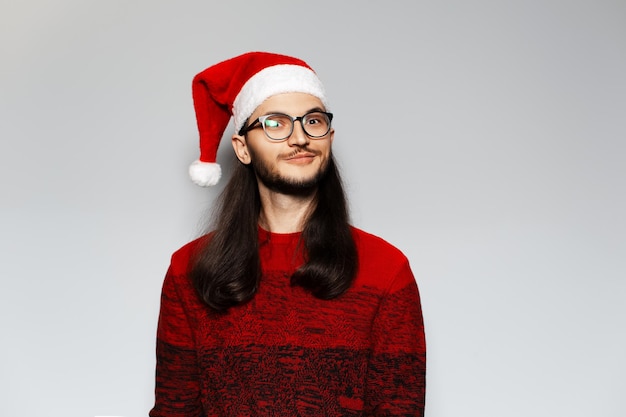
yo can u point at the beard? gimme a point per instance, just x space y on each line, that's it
290 186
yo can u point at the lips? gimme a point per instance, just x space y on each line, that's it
301 155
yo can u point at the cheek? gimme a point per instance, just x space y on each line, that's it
326 149
261 155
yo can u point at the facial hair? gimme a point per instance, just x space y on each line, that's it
280 184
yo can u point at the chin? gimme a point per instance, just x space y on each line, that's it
294 180
300 185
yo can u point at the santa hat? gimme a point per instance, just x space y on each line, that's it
236 87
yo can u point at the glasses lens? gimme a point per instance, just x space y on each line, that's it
277 126
316 124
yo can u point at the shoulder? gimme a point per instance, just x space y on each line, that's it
381 264
183 256
177 285
370 245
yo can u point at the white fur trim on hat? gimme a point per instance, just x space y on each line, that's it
205 174
277 79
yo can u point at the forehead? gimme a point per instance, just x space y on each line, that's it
294 104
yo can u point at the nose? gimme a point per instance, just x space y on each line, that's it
298 135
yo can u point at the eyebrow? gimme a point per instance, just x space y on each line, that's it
282 112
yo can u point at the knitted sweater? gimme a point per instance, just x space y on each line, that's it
287 353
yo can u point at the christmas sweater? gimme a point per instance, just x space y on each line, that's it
287 353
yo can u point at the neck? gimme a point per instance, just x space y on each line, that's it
283 213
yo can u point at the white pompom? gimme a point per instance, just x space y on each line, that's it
205 174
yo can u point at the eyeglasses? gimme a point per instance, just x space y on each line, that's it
279 126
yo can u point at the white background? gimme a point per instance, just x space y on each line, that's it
485 139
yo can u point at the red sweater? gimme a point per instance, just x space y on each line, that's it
287 353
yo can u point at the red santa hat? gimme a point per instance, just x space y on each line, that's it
236 87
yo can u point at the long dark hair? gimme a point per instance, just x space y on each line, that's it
226 269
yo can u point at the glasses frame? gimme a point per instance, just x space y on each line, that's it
260 122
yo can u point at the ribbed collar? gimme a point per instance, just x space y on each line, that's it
278 238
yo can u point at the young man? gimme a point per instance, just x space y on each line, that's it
284 309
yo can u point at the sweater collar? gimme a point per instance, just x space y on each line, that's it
279 238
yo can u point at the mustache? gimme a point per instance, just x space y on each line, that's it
299 150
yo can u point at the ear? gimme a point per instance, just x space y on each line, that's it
241 149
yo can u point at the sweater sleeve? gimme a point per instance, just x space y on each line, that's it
177 390
396 384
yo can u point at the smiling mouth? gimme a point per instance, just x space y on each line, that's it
300 159
300 155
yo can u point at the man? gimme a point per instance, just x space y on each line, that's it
283 309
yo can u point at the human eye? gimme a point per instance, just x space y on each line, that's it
271 123
276 122
315 118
